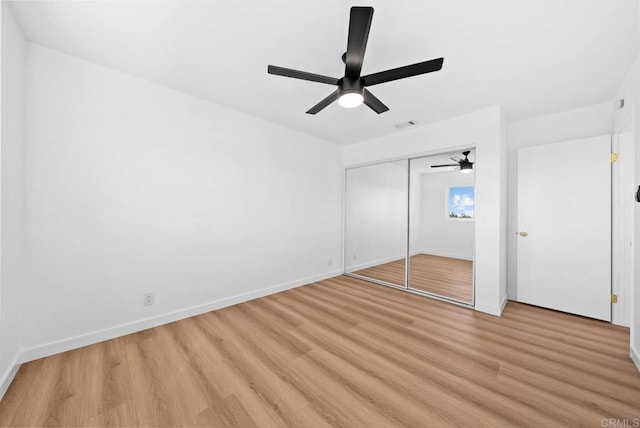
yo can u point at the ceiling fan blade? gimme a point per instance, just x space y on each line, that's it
359 25
440 166
374 103
322 104
402 72
296 74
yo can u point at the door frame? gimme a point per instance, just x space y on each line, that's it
621 312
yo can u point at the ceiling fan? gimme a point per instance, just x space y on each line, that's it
466 166
352 90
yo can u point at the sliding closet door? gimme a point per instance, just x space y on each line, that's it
441 227
376 222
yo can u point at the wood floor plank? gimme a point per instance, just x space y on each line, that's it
341 352
311 379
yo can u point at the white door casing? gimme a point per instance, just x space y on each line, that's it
623 192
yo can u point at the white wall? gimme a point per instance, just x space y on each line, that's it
634 95
440 235
585 122
12 199
133 187
629 90
376 215
503 203
635 320
484 130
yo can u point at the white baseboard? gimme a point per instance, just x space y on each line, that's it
375 263
448 255
492 309
635 356
58 346
8 375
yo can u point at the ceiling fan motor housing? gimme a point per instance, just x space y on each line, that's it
348 85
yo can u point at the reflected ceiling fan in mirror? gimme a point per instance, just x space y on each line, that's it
352 90
466 166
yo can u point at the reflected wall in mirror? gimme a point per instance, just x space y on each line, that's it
376 221
442 212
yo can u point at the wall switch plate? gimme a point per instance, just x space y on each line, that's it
149 299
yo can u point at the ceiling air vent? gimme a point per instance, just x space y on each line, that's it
405 124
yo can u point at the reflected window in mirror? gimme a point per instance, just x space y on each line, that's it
461 203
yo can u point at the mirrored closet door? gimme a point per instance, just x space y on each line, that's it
441 226
410 224
376 198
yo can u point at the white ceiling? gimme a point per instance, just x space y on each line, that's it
533 57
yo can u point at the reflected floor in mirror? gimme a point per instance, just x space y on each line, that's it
444 276
392 272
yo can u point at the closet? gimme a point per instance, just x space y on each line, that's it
409 224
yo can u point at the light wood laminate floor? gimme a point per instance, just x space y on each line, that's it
341 352
444 276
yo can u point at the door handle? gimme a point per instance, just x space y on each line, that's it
523 234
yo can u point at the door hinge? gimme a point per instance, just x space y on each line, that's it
614 157
614 298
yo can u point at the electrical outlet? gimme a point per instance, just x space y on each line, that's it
330 262
149 299
355 257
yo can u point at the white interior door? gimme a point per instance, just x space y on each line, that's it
564 223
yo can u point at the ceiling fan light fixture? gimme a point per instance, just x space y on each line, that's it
466 168
352 87
350 99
